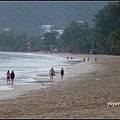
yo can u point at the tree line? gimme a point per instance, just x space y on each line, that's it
77 37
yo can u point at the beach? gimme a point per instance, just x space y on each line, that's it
91 94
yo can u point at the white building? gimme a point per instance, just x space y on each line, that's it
60 32
80 22
47 28
6 29
50 28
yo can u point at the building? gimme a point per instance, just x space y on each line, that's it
47 28
60 32
6 29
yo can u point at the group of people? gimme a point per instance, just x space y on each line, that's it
89 59
52 73
10 77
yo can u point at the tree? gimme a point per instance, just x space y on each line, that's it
49 40
76 38
114 42
105 22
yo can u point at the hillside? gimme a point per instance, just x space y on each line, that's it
29 16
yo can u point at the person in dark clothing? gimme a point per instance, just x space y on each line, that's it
12 76
84 59
95 58
62 73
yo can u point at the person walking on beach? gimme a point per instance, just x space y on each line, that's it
95 58
84 59
88 58
52 73
8 76
12 76
62 73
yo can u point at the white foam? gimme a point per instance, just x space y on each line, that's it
6 88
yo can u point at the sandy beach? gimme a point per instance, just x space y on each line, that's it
91 94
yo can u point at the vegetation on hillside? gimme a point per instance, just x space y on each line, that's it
29 16
77 37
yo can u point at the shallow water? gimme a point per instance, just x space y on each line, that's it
28 66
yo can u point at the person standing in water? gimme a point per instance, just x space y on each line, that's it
12 76
8 76
62 73
52 73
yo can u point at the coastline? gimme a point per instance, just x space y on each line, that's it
85 95
15 90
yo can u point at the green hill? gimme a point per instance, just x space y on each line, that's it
29 16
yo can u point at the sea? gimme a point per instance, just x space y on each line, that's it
27 66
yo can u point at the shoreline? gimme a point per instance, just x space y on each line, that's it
85 95
15 90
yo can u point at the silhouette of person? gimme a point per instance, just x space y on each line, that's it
12 76
84 59
62 73
88 58
52 73
8 76
95 58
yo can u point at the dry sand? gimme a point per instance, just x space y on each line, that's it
94 94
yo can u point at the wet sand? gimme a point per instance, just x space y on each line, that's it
15 90
93 94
